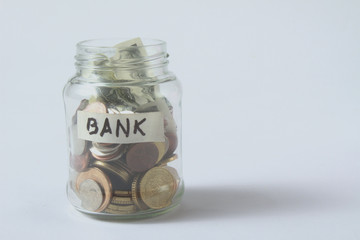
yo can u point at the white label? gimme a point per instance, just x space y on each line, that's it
121 128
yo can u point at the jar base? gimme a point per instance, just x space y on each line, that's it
139 215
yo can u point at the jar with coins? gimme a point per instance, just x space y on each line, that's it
123 119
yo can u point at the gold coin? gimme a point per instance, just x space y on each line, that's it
121 207
172 158
169 159
122 200
114 168
102 179
162 148
122 193
135 195
175 175
157 188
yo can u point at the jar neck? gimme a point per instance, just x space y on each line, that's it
136 59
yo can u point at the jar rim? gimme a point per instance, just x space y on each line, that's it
90 43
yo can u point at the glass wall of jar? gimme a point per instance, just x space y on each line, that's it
123 118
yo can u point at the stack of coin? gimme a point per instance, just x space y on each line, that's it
135 193
121 203
106 151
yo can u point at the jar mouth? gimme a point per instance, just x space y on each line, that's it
109 43
136 58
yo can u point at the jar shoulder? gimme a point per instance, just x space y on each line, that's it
99 80
89 86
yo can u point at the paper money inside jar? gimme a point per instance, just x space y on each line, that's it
123 118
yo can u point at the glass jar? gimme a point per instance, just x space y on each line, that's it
123 118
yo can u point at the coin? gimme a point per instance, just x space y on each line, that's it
175 175
162 147
169 159
100 177
106 153
122 165
102 156
96 107
80 162
122 200
91 195
157 188
142 156
105 147
135 195
122 193
116 169
172 158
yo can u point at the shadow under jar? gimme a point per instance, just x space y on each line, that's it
123 119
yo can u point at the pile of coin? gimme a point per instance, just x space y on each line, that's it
123 179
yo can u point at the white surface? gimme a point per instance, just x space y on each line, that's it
270 122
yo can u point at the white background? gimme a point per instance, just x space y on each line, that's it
270 116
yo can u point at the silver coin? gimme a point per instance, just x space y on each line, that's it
106 147
91 195
103 152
